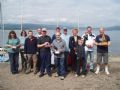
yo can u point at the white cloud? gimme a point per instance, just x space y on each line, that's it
92 12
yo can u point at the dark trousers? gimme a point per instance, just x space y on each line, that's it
66 60
73 60
38 61
14 59
23 60
81 63
45 58
59 63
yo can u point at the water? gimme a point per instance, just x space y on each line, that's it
114 48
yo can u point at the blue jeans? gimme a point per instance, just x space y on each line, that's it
14 59
59 62
91 54
45 58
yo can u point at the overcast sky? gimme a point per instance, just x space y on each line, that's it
90 12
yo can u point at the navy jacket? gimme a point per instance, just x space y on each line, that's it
30 46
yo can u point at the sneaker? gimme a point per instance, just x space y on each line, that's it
106 70
97 70
35 72
50 75
56 75
27 72
41 75
76 75
62 78
92 70
83 76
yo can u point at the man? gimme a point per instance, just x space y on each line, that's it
44 43
39 32
73 41
65 36
38 35
57 30
58 47
30 48
102 42
89 41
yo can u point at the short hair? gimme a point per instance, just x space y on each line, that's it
12 32
75 29
89 27
58 28
30 31
22 32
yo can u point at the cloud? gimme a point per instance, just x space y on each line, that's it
92 12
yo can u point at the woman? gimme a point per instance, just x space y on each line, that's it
13 45
23 58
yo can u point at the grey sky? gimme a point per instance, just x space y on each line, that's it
90 12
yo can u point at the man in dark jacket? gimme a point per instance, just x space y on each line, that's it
72 45
30 48
44 44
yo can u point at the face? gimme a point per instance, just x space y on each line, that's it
12 35
80 42
65 31
44 33
39 31
75 32
101 30
58 36
89 30
30 34
23 33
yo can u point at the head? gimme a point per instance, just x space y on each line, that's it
89 29
58 35
30 33
12 34
101 30
58 29
74 32
80 41
23 33
39 30
65 31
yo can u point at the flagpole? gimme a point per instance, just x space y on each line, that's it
2 22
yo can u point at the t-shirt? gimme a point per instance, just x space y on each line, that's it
102 49
42 40
89 40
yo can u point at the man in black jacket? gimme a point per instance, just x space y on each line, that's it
73 41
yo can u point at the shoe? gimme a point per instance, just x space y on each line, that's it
56 75
92 70
35 72
97 70
76 75
83 76
61 78
41 75
106 70
27 72
50 75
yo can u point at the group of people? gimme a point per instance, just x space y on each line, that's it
67 52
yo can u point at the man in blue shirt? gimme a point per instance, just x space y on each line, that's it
102 42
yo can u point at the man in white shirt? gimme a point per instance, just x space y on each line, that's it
89 41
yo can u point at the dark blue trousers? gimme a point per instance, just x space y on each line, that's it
45 58
14 59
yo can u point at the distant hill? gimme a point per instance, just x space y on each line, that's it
51 26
